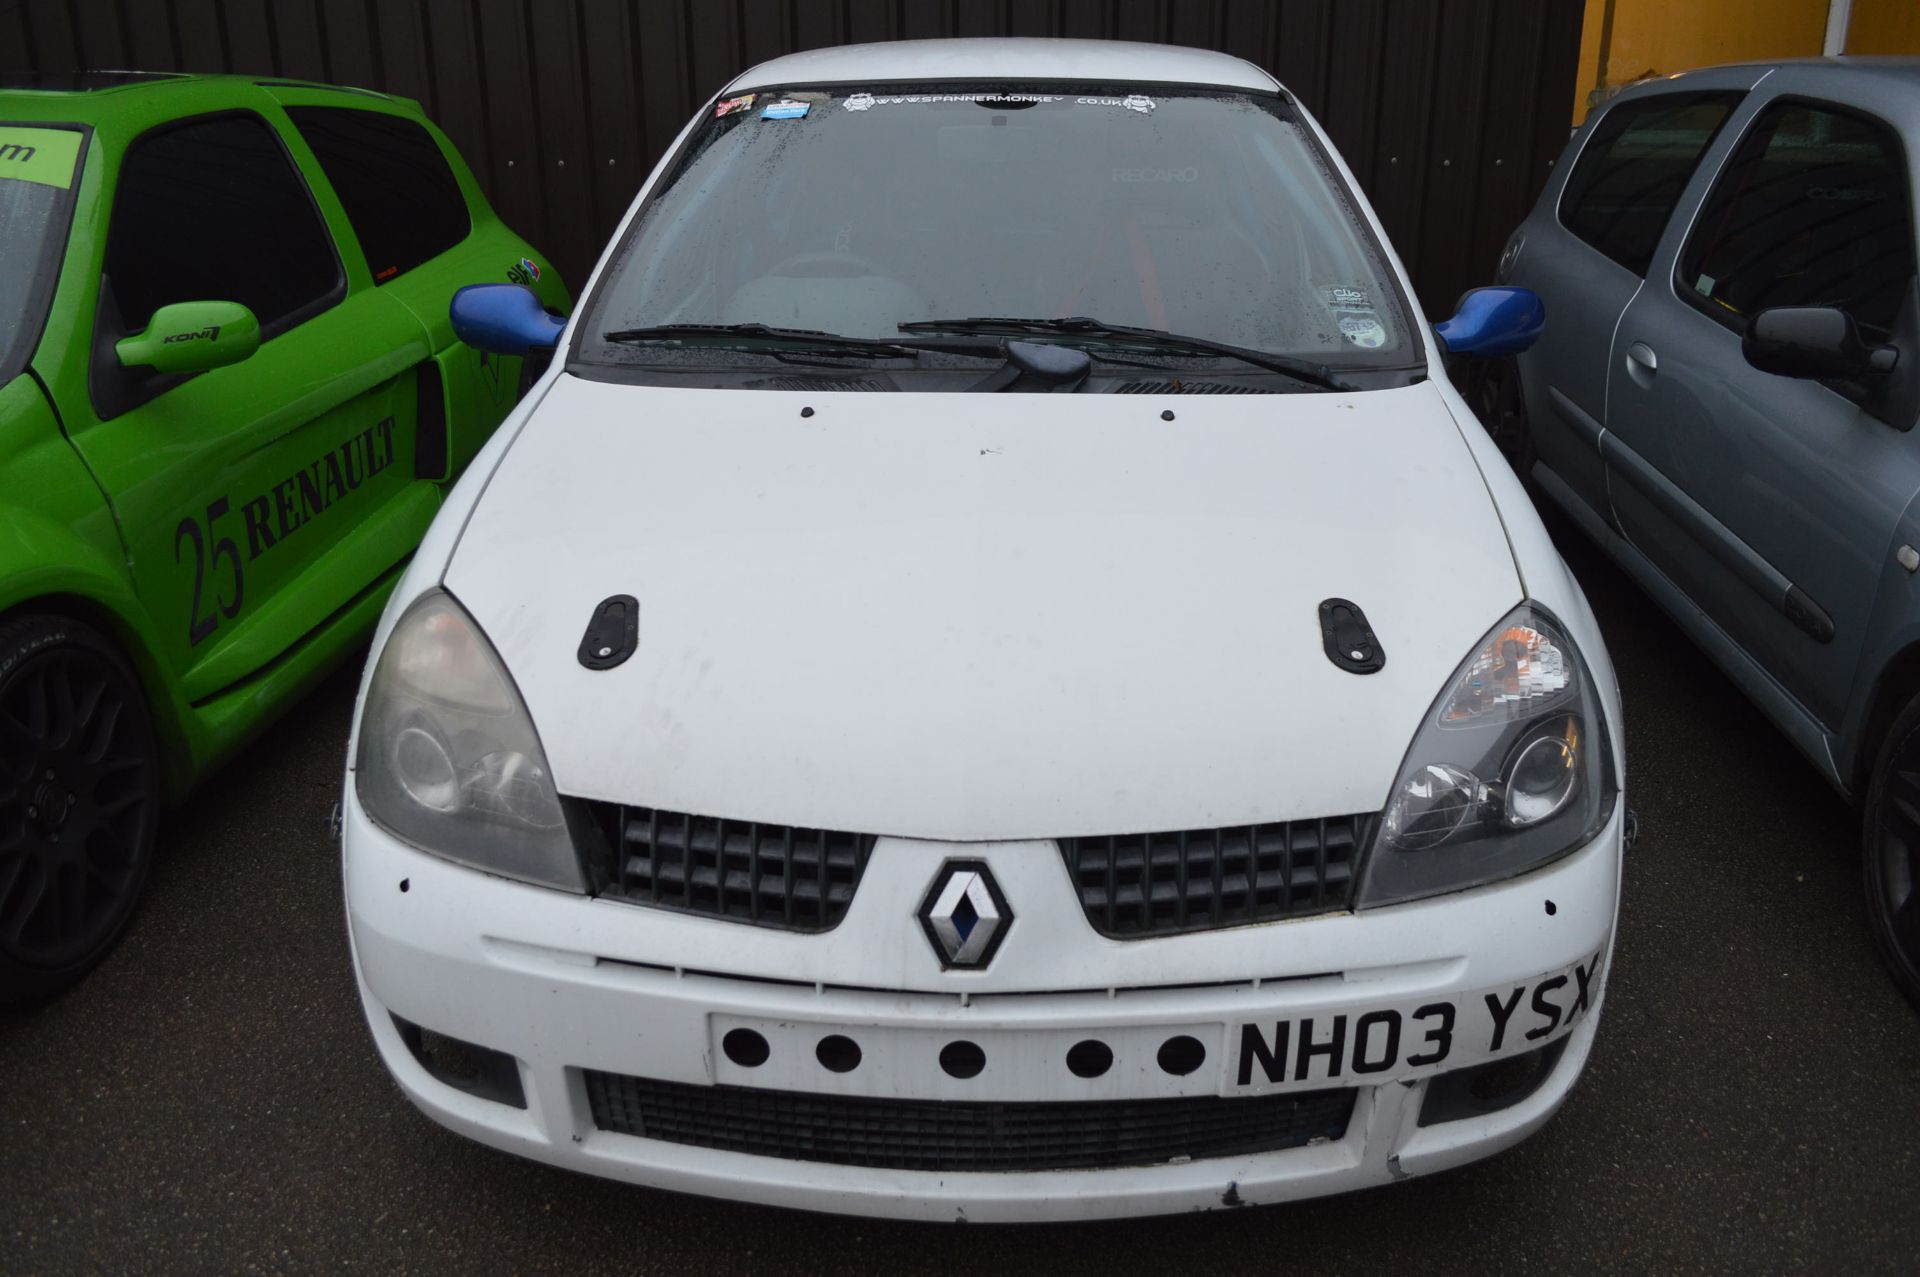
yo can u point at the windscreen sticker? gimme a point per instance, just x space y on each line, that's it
1188 174
1363 331
866 101
1139 103
733 106
1354 315
43 156
785 109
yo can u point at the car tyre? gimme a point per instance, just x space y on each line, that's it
1890 851
1492 390
79 801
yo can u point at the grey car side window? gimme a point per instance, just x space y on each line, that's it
1633 168
1811 211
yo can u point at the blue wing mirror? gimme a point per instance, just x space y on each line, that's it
1493 321
503 319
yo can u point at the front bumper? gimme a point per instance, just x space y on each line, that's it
569 987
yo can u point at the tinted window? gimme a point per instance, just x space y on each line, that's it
401 197
1812 211
215 211
1634 166
1207 214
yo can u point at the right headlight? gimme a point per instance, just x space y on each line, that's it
448 757
1510 769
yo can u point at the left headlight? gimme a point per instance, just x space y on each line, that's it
1510 769
448 757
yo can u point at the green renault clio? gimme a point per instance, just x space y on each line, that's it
231 400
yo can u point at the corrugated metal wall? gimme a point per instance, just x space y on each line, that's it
1449 111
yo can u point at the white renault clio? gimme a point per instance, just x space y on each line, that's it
994 678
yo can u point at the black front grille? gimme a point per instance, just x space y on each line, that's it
943 1135
774 875
1135 885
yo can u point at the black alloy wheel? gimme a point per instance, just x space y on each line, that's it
79 802
1890 848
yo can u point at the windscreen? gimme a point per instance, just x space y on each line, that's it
852 211
37 168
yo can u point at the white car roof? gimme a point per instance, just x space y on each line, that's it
1115 62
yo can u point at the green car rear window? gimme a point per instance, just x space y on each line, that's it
393 181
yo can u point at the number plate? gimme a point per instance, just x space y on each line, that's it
1364 1046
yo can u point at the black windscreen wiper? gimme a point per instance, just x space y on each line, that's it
1081 326
768 337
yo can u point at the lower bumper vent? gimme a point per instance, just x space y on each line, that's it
941 1135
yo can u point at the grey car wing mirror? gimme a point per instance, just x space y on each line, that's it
1818 342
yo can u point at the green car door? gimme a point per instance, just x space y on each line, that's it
259 497
408 196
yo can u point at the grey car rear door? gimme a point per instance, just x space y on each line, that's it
1770 502
1585 249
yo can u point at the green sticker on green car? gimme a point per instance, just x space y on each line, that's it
38 155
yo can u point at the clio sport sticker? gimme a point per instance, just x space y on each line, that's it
1399 1041
1354 315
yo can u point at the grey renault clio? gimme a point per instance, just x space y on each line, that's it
1725 401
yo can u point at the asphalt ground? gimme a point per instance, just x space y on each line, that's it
209 1101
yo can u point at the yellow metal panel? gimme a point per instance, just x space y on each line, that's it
1594 32
1661 37
1884 26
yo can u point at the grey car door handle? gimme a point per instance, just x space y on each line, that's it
1642 354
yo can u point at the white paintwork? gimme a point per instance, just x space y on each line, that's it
564 983
998 622
1115 62
978 617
